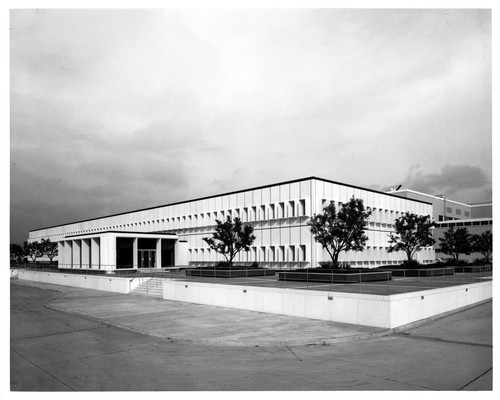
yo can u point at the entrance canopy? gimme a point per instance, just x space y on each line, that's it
111 250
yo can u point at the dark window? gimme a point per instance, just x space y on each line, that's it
124 252
146 244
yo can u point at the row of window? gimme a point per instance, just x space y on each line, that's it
289 253
289 209
458 211
465 223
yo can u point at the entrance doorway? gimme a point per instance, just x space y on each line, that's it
146 253
146 258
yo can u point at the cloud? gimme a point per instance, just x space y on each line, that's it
113 110
458 182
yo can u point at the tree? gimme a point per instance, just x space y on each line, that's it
49 248
483 243
230 238
33 250
16 253
343 230
455 242
412 233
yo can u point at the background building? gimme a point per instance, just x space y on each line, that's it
473 226
476 217
172 234
445 209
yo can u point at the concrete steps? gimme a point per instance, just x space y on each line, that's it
150 287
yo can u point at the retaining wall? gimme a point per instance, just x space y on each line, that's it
360 309
109 284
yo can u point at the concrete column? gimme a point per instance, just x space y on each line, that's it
85 253
68 254
181 253
95 253
134 250
60 254
158 253
108 251
77 248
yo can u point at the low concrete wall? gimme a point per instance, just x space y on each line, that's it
415 306
109 284
359 309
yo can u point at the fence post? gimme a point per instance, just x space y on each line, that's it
387 282
404 279
359 277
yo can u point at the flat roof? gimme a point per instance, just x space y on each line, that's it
481 204
121 232
230 193
431 195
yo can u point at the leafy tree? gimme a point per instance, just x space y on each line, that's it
341 231
455 242
16 253
49 248
483 243
230 238
412 233
33 250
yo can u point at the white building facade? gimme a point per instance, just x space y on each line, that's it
173 234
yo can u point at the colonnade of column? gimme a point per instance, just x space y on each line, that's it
80 253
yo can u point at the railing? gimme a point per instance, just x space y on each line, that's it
375 281
369 281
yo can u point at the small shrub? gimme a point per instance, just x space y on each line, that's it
410 264
222 264
255 265
331 265
453 263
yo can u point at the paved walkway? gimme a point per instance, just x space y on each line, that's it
200 323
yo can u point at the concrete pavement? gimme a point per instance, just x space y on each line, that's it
205 324
177 346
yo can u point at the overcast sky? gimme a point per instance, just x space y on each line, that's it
117 110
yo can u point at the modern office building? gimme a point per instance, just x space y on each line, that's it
172 234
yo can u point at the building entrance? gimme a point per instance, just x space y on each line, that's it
146 258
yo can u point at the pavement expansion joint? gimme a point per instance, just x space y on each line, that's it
43 370
59 333
435 339
475 379
291 351
385 378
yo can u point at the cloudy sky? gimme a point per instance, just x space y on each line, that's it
117 110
